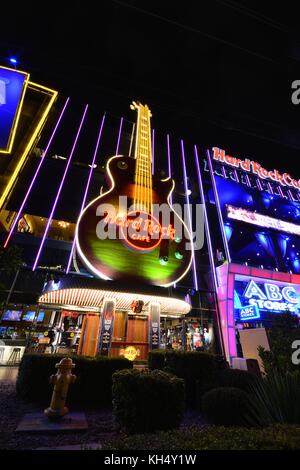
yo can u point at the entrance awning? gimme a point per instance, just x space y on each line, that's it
88 293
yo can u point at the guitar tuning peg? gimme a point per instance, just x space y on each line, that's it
134 105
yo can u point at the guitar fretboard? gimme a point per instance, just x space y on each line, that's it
143 156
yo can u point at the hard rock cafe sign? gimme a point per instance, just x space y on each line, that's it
255 168
131 353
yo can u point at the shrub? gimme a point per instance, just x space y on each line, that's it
198 369
213 438
285 329
145 401
156 359
226 406
237 378
276 398
92 387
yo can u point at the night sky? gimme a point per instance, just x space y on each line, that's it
215 73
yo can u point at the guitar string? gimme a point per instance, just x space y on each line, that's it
142 160
150 166
147 162
136 163
143 182
145 158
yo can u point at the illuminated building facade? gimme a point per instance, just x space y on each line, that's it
247 270
63 171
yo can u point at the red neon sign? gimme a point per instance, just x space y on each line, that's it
284 179
140 230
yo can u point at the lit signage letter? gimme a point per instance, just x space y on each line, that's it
219 154
230 160
287 179
254 291
255 168
287 291
264 173
273 292
245 165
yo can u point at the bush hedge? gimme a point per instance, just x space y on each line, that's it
92 387
277 437
156 359
198 369
145 401
237 378
227 406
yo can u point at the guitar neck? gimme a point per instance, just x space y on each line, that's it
143 156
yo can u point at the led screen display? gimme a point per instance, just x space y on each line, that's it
12 315
12 86
262 229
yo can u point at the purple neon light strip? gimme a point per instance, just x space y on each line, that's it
169 156
270 188
209 243
35 175
291 195
259 184
60 188
153 145
169 163
280 191
218 206
248 181
87 186
187 198
119 136
170 174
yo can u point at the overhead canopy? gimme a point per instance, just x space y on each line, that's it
88 293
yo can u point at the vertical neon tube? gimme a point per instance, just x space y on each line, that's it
209 242
169 156
236 176
153 146
281 192
270 188
170 174
169 162
131 139
218 206
87 186
119 136
35 175
60 188
259 184
187 198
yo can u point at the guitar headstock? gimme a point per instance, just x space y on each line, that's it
139 106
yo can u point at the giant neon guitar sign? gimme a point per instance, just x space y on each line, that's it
120 234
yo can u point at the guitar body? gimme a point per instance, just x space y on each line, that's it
163 264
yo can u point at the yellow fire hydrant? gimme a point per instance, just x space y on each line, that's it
61 381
